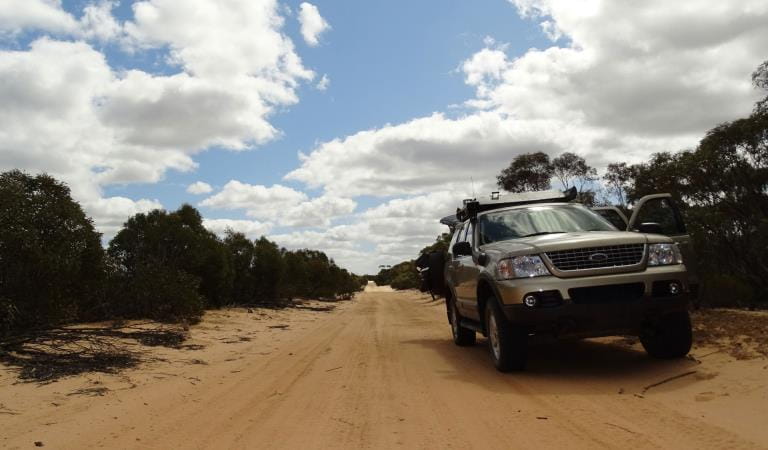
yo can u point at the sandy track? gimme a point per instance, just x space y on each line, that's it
383 373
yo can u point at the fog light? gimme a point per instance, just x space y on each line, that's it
530 300
674 288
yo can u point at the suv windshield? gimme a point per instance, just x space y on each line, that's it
537 220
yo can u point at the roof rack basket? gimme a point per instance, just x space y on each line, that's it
472 207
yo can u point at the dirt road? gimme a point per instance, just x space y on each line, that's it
383 373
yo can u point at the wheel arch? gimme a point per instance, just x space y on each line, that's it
486 291
449 296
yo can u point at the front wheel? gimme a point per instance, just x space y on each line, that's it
507 344
669 337
463 337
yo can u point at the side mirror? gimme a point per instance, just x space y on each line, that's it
650 227
462 249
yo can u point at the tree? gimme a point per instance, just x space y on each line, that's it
241 256
527 172
51 260
760 81
663 173
440 245
617 178
267 270
571 170
179 247
400 276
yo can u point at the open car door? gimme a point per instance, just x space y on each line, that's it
660 209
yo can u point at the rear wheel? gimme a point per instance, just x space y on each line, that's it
669 337
463 337
507 344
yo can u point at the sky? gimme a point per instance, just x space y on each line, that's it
353 126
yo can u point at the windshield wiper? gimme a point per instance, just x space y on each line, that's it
542 233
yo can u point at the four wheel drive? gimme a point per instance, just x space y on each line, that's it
537 263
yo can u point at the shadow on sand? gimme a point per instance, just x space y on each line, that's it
49 355
560 367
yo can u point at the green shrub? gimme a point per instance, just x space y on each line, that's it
51 260
726 291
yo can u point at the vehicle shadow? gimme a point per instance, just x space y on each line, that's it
563 367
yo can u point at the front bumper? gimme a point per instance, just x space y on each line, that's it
581 317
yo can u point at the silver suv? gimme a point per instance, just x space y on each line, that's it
539 264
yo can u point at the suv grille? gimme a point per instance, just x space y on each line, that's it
597 257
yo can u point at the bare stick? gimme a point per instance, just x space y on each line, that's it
667 380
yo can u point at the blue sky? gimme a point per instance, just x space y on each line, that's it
137 104
387 62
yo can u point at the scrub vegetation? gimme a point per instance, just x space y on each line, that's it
162 265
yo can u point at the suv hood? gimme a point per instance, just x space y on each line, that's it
566 241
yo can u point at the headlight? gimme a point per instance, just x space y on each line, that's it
521 267
664 254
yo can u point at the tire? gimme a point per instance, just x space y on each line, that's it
507 344
669 337
463 337
436 273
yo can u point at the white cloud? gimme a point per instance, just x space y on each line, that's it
312 23
323 83
317 212
283 205
199 187
253 229
46 15
386 234
485 66
97 22
426 154
258 200
632 80
65 111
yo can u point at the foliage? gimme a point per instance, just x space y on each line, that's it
159 247
399 276
726 291
440 245
572 170
51 260
617 178
160 265
313 274
404 275
527 172
760 81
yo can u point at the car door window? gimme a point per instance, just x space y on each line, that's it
613 216
663 212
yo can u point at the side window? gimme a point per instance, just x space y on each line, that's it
661 211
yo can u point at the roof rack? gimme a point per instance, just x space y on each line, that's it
471 207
